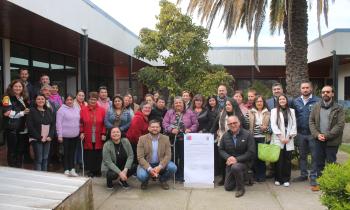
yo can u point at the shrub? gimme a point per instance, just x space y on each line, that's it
347 115
335 186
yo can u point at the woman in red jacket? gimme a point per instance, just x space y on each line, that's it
93 133
138 126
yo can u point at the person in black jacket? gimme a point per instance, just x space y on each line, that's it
198 107
15 108
41 127
237 148
158 111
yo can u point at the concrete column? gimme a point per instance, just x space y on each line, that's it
6 45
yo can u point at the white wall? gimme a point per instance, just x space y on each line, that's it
344 71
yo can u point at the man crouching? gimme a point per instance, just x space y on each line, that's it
237 147
153 155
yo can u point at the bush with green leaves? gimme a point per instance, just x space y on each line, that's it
335 186
347 115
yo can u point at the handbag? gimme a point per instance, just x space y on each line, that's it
268 152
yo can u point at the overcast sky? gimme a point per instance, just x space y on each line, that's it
136 14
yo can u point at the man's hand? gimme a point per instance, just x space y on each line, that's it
153 172
231 160
157 169
321 137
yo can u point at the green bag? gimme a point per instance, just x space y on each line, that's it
268 152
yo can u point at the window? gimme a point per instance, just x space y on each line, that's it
56 61
347 88
40 59
19 59
100 75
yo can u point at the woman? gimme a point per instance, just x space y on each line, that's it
159 110
15 109
259 121
239 97
117 159
220 127
213 111
139 126
41 128
283 125
68 127
149 99
79 100
92 132
198 107
187 97
177 122
118 116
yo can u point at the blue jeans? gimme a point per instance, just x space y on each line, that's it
41 153
164 175
324 154
306 146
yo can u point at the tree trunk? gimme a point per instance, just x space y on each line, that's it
296 50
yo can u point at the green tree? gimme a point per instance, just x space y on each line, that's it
287 14
182 47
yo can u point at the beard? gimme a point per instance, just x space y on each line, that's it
307 94
326 98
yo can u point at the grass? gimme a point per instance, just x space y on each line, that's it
345 148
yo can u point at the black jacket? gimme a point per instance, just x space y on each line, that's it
37 118
203 120
244 151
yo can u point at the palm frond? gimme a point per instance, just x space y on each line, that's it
276 15
258 23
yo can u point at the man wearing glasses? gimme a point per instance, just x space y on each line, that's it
326 122
237 147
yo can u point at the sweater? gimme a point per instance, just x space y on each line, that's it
138 127
68 121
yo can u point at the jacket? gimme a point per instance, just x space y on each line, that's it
68 121
189 120
271 103
288 132
203 121
16 107
302 113
144 151
336 124
265 120
125 119
86 124
37 118
109 158
243 151
138 127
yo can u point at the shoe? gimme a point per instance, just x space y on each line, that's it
124 184
164 185
221 182
277 183
240 193
110 187
300 179
315 188
260 179
144 185
313 182
66 172
286 184
73 173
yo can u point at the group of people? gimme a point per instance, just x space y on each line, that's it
120 138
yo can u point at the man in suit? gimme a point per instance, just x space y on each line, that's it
153 155
237 147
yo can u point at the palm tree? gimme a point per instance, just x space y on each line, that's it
291 15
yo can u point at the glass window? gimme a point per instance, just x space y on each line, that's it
19 58
347 88
71 64
100 75
40 59
56 61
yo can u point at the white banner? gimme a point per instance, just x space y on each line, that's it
199 160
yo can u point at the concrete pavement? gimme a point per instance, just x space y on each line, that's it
259 196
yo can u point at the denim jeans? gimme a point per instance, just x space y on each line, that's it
307 145
41 153
164 175
324 154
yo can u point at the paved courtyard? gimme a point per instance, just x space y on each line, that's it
259 196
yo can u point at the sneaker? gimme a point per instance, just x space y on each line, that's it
73 173
124 184
110 187
164 185
286 184
66 172
277 183
144 185
300 179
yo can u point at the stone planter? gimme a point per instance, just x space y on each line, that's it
346 133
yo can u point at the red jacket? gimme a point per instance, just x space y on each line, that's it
138 127
87 115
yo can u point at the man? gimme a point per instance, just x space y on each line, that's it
237 147
44 80
326 122
153 155
103 100
187 97
23 76
251 98
222 97
277 90
306 143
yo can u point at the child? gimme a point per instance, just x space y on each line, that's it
55 96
